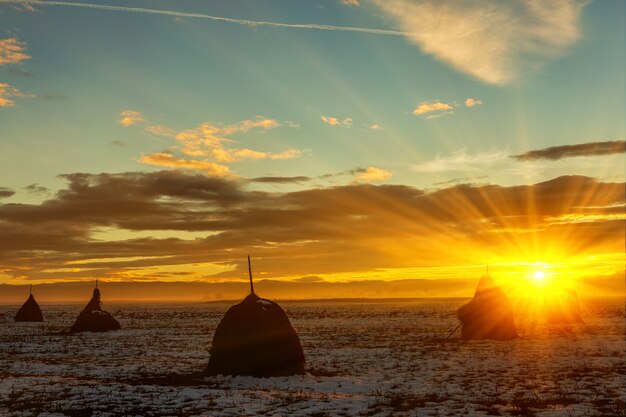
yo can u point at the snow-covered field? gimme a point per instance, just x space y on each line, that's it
363 359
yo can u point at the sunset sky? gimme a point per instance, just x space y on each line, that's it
335 141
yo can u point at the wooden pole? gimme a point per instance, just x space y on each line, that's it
250 275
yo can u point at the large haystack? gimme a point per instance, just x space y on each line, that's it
255 338
93 318
488 315
30 310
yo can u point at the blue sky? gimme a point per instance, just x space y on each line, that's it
468 85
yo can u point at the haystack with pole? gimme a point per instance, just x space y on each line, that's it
488 315
30 310
255 338
93 318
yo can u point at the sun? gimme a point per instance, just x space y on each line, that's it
540 280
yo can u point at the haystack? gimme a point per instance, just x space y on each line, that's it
93 318
563 308
255 338
30 310
488 315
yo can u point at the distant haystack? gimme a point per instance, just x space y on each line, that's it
30 310
255 338
93 318
489 315
564 308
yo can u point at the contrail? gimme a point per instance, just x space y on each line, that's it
310 26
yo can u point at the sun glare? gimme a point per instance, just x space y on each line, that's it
539 275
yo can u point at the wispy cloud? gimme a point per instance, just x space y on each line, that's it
12 51
461 161
170 161
570 151
245 22
492 41
8 94
350 2
376 126
208 147
333 121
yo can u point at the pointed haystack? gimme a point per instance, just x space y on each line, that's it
93 318
255 338
489 315
30 311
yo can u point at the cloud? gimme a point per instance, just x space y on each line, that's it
37 189
375 126
471 102
333 121
427 107
8 94
345 229
570 151
204 148
170 161
494 42
129 118
350 2
12 51
281 180
244 22
460 161
6 192
372 174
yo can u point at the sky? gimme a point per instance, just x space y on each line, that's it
339 142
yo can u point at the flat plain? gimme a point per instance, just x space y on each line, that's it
364 358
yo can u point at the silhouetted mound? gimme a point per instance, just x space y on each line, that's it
30 311
489 315
256 338
564 308
93 318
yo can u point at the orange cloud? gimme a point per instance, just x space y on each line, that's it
373 174
432 106
12 51
170 161
8 93
204 148
129 118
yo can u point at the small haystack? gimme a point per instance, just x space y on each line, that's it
93 318
30 310
489 315
255 338
563 308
